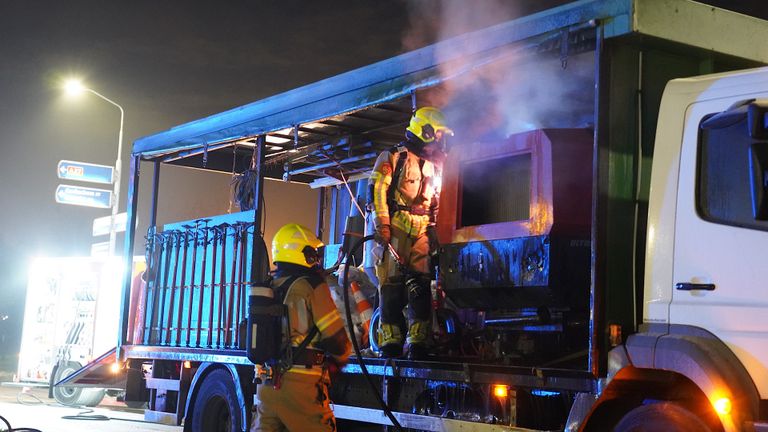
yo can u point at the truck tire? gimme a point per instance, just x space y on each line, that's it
664 416
75 396
216 407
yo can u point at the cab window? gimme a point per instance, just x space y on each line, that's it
732 167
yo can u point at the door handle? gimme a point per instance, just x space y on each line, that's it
690 286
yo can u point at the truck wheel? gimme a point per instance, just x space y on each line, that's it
74 396
664 416
216 408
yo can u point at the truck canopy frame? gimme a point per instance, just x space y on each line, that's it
339 124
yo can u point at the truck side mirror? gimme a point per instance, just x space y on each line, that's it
758 176
733 115
757 119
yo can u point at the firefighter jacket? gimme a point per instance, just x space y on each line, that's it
310 304
411 205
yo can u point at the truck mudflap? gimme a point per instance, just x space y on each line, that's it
100 373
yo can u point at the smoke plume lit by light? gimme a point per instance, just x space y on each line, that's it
513 92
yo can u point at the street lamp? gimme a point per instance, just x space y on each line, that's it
74 87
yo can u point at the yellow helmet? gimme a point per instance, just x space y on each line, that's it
296 244
426 122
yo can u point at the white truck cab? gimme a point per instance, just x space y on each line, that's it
706 294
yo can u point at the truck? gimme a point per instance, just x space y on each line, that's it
602 230
68 321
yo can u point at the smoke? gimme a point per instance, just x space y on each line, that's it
515 92
434 20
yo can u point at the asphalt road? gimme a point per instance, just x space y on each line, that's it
31 408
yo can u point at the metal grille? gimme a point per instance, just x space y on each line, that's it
196 287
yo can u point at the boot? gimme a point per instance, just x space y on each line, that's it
390 340
417 339
391 351
417 351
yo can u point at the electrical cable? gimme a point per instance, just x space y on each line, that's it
263 216
35 400
351 195
355 345
231 184
10 428
242 189
7 424
85 415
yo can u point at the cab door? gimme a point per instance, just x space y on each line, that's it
720 270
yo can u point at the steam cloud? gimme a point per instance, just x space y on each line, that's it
507 96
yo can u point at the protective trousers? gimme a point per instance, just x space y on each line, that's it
399 289
289 408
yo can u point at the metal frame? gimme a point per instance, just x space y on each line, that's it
183 354
335 104
130 233
394 79
417 421
599 166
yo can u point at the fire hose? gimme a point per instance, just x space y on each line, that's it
355 345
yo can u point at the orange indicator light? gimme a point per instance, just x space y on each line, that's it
500 391
723 406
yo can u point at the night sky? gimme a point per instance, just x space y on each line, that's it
166 63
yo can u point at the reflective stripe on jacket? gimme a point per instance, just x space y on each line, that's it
309 303
413 188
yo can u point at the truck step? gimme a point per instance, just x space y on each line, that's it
161 417
163 384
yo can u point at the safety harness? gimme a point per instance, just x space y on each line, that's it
300 355
402 156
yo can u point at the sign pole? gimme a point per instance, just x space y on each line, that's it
118 164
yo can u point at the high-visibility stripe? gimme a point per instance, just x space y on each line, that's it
381 183
298 339
302 370
414 225
328 319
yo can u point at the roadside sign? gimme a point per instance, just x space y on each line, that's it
101 224
100 249
83 196
84 171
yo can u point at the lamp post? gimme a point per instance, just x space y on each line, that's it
75 87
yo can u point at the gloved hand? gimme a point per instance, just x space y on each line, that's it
333 365
383 234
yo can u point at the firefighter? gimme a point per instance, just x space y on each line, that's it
297 400
405 201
